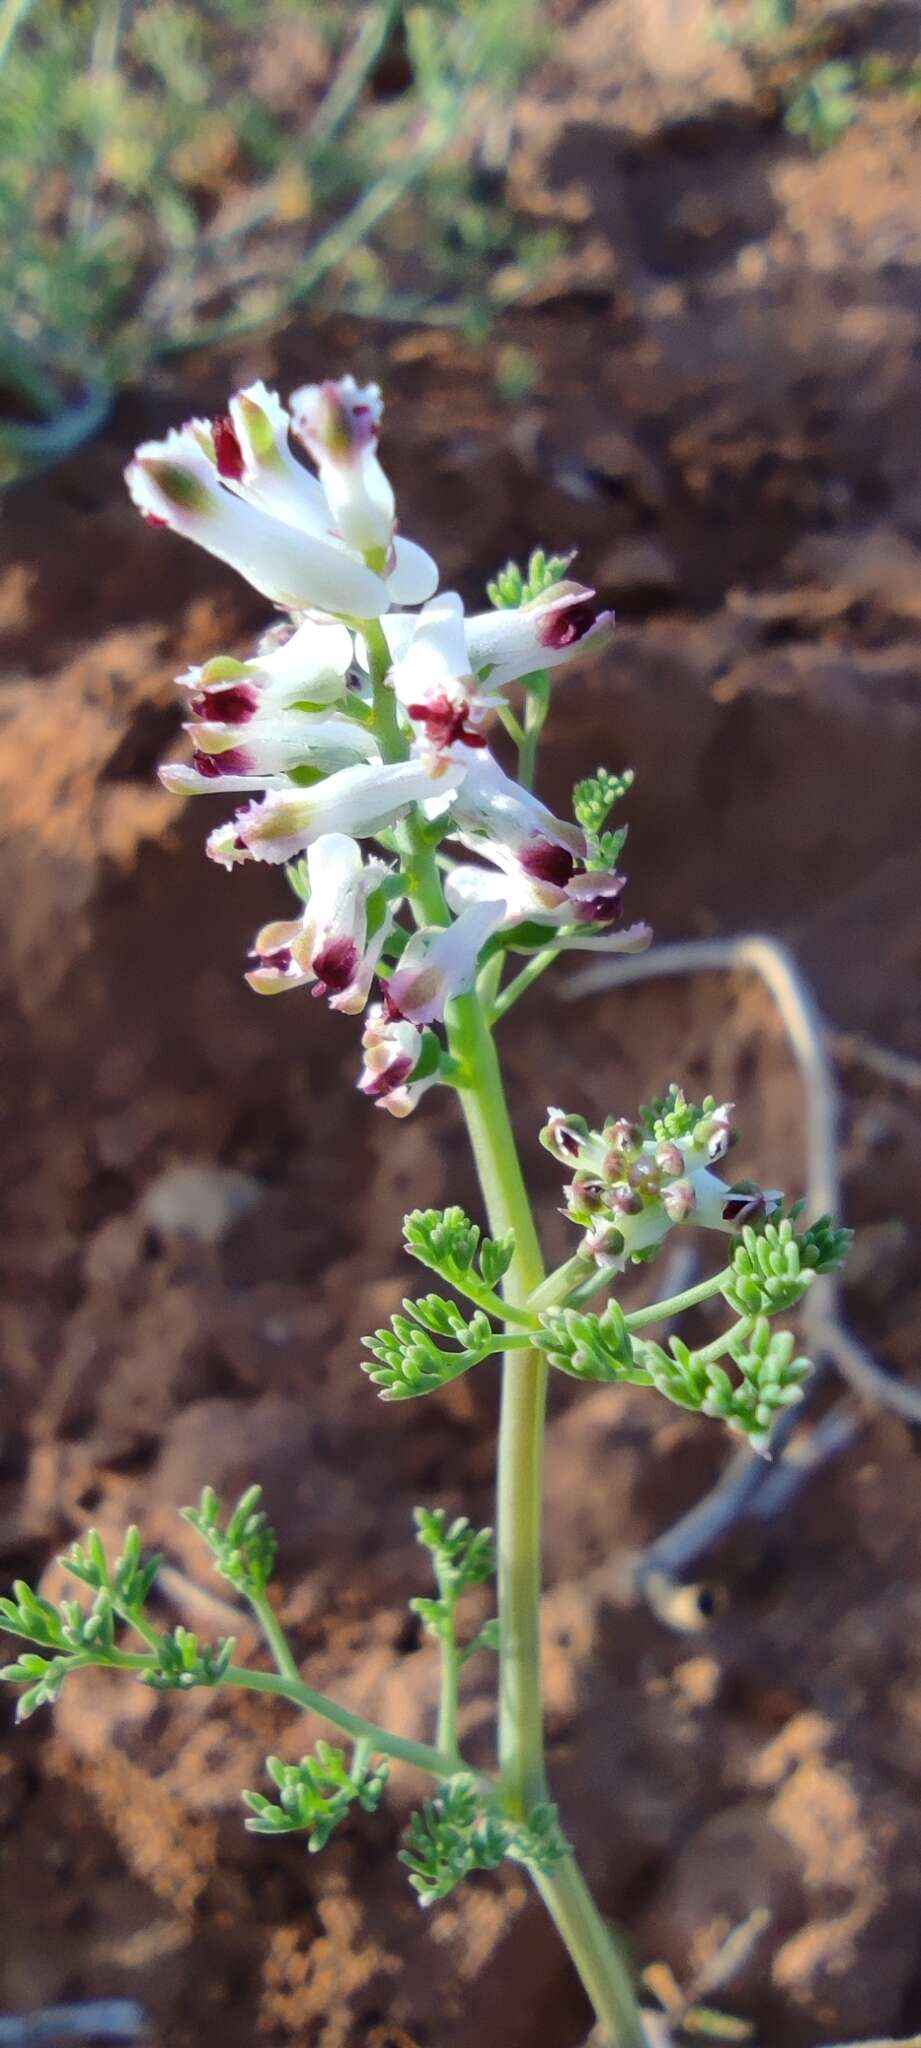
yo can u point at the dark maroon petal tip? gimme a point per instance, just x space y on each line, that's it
392 1077
233 762
567 623
335 966
233 705
444 722
227 450
545 862
281 959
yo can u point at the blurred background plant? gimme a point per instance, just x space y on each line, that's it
156 192
799 62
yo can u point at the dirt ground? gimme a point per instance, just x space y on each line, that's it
201 1215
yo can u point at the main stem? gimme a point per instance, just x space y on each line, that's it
521 1441
519 1494
521 1429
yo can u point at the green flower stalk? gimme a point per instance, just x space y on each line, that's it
431 887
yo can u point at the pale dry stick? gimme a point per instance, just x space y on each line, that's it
97 2019
850 1048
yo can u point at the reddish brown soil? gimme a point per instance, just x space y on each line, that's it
202 1217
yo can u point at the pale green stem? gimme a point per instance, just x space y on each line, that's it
446 1737
675 1304
353 74
421 1754
523 1398
562 1282
710 1352
275 1636
523 981
595 1952
537 705
438 1763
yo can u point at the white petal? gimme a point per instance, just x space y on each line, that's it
174 481
359 801
273 477
434 664
182 780
414 576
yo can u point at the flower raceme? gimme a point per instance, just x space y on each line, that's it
633 1181
302 731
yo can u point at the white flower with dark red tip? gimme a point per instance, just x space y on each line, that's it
431 676
272 747
235 485
310 666
338 423
360 801
525 897
329 946
493 807
176 481
392 1049
563 622
440 962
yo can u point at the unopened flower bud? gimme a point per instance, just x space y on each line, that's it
622 1136
564 1135
624 1201
585 1194
670 1158
715 1133
679 1201
603 1242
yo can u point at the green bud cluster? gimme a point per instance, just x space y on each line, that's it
772 1267
245 1547
458 1832
315 1794
590 1347
512 587
632 1182
181 1664
770 1378
452 1246
409 1361
461 1557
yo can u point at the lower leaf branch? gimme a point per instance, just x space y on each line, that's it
675 1304
423 1755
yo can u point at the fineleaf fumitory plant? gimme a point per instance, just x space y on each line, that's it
431 889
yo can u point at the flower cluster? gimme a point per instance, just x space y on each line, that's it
633 1181
361 717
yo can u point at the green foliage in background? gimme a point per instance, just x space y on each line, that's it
820 92
176 174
